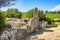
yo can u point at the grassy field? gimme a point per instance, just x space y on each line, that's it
58 23
54 16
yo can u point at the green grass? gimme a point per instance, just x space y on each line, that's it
53 16
58 23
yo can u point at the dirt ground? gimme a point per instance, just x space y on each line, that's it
47 34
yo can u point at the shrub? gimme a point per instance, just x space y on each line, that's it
49 20
2 21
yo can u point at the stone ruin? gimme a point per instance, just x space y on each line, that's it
20 28
20 32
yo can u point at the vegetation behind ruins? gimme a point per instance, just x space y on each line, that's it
2 21
53 16
15 13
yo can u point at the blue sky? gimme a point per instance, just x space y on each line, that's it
25 5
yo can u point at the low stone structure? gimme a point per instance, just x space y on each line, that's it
46 25
20 28
15 23
18 33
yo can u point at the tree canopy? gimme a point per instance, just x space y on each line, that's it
13 13
7 2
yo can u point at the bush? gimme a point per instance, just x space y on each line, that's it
13 13
49 20
2 21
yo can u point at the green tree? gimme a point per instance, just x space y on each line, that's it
13 13
42 16
46 11
4 3
30 13
49 20
58 12
2 21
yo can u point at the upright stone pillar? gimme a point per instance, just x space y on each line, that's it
35 14
34 22
36 18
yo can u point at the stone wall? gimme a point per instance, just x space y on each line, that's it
15 23
19 33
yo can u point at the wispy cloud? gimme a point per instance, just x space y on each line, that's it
56 8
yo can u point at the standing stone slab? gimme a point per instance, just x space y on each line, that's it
34 22
36 18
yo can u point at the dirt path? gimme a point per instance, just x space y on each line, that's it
49 33
46 34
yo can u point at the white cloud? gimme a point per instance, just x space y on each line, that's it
56 8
